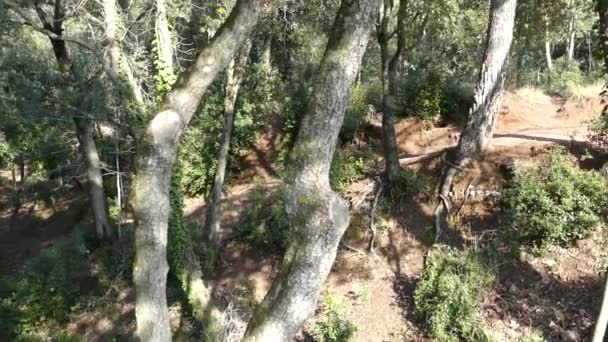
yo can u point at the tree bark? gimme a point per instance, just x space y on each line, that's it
83 129
234 77
119 70
267 52
602 8
318 216
154 163
477 134
93 165
390 83
602 319
163 35
548 46
571 33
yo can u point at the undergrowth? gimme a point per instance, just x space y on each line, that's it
60 283
448 295
334 324
346 168
553 204
264 223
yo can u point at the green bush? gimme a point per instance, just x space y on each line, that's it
552 204
345 169
422 93
334 325
428 95
447 297
264 222
564 73
356 112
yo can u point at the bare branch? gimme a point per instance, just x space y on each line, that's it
27 21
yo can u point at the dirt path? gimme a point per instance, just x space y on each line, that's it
528 117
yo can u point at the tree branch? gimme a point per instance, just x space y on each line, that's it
25 20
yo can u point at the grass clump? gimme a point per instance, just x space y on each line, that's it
447 297
553 204
334 325
264 223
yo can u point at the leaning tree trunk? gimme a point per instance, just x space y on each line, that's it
477 134
118 70
93 166
234 77
602 8
154 163
83 126
318 216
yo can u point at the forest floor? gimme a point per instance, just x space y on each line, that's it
557 294
378 288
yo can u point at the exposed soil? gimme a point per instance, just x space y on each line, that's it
557 294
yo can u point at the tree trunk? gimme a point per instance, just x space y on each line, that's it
22 173
602 8
14 175
234 77
571 35
548 46
163 35
154 163
110 21
390 78
590 63
318 216
477 134
267 52
93 164
602 319
83 129
119 68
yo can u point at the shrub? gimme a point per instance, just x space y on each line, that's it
333 326
264 222
553 204
345 169
421 94
564 74
356 112
447 296
428 95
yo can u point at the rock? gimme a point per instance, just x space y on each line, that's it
571 336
